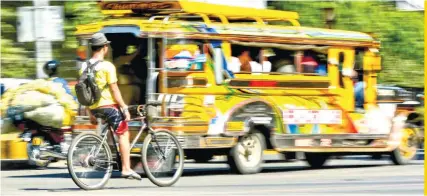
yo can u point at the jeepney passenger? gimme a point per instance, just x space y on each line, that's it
284 66
309 64
266 64
129 84
241 63
359 88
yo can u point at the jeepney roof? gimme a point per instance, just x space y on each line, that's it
175 26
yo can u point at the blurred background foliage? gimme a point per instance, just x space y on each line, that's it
401 35
18 59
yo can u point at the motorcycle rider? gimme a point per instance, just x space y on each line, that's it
51 69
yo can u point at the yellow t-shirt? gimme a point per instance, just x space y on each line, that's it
105 75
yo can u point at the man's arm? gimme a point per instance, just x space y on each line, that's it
118 98
92 118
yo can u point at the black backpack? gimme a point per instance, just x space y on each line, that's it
88 93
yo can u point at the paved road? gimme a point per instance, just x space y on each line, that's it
342 176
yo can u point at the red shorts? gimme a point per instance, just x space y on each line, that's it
114 117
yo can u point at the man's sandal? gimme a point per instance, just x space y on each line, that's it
132 175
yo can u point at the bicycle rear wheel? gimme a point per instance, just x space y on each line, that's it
162 158
89 162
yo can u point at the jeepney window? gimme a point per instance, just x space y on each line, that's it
283 61
249 59
358 65
184 55
314 63
340 68
308 61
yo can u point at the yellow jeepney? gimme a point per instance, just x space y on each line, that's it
237 81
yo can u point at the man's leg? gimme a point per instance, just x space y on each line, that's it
124 145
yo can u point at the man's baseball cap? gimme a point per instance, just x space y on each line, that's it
98 39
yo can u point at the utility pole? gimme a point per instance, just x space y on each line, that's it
41 24
329 17
43 45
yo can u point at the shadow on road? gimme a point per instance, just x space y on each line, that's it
209 171
116 174
78 189
282 169
24 166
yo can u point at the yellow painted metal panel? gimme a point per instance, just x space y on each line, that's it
17 149
4 149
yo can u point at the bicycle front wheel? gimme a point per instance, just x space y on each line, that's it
162 158
89 161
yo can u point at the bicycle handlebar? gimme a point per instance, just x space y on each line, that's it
154 104
141 108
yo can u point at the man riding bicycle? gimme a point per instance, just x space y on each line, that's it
110 106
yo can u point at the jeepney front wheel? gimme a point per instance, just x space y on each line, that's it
407 149
246 157
316 160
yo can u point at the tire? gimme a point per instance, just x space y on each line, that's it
86 161
150 146
316 160
407 150
251 144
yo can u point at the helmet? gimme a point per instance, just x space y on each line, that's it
50 67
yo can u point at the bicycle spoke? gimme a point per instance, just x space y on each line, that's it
159 158
91 164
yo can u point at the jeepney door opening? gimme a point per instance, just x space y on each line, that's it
180 60
353 75
129 54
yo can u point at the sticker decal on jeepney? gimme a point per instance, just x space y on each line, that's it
216 124
209 100
301 116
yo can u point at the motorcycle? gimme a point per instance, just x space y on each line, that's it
44 144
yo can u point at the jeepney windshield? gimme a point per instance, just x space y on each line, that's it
184 55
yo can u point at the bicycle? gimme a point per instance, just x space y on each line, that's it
98 157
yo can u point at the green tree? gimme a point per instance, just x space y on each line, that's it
17 59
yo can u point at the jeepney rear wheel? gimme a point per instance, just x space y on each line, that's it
316 160
407 150
246 157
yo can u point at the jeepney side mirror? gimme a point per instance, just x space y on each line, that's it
218 67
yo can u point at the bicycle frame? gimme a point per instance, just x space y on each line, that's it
104 136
